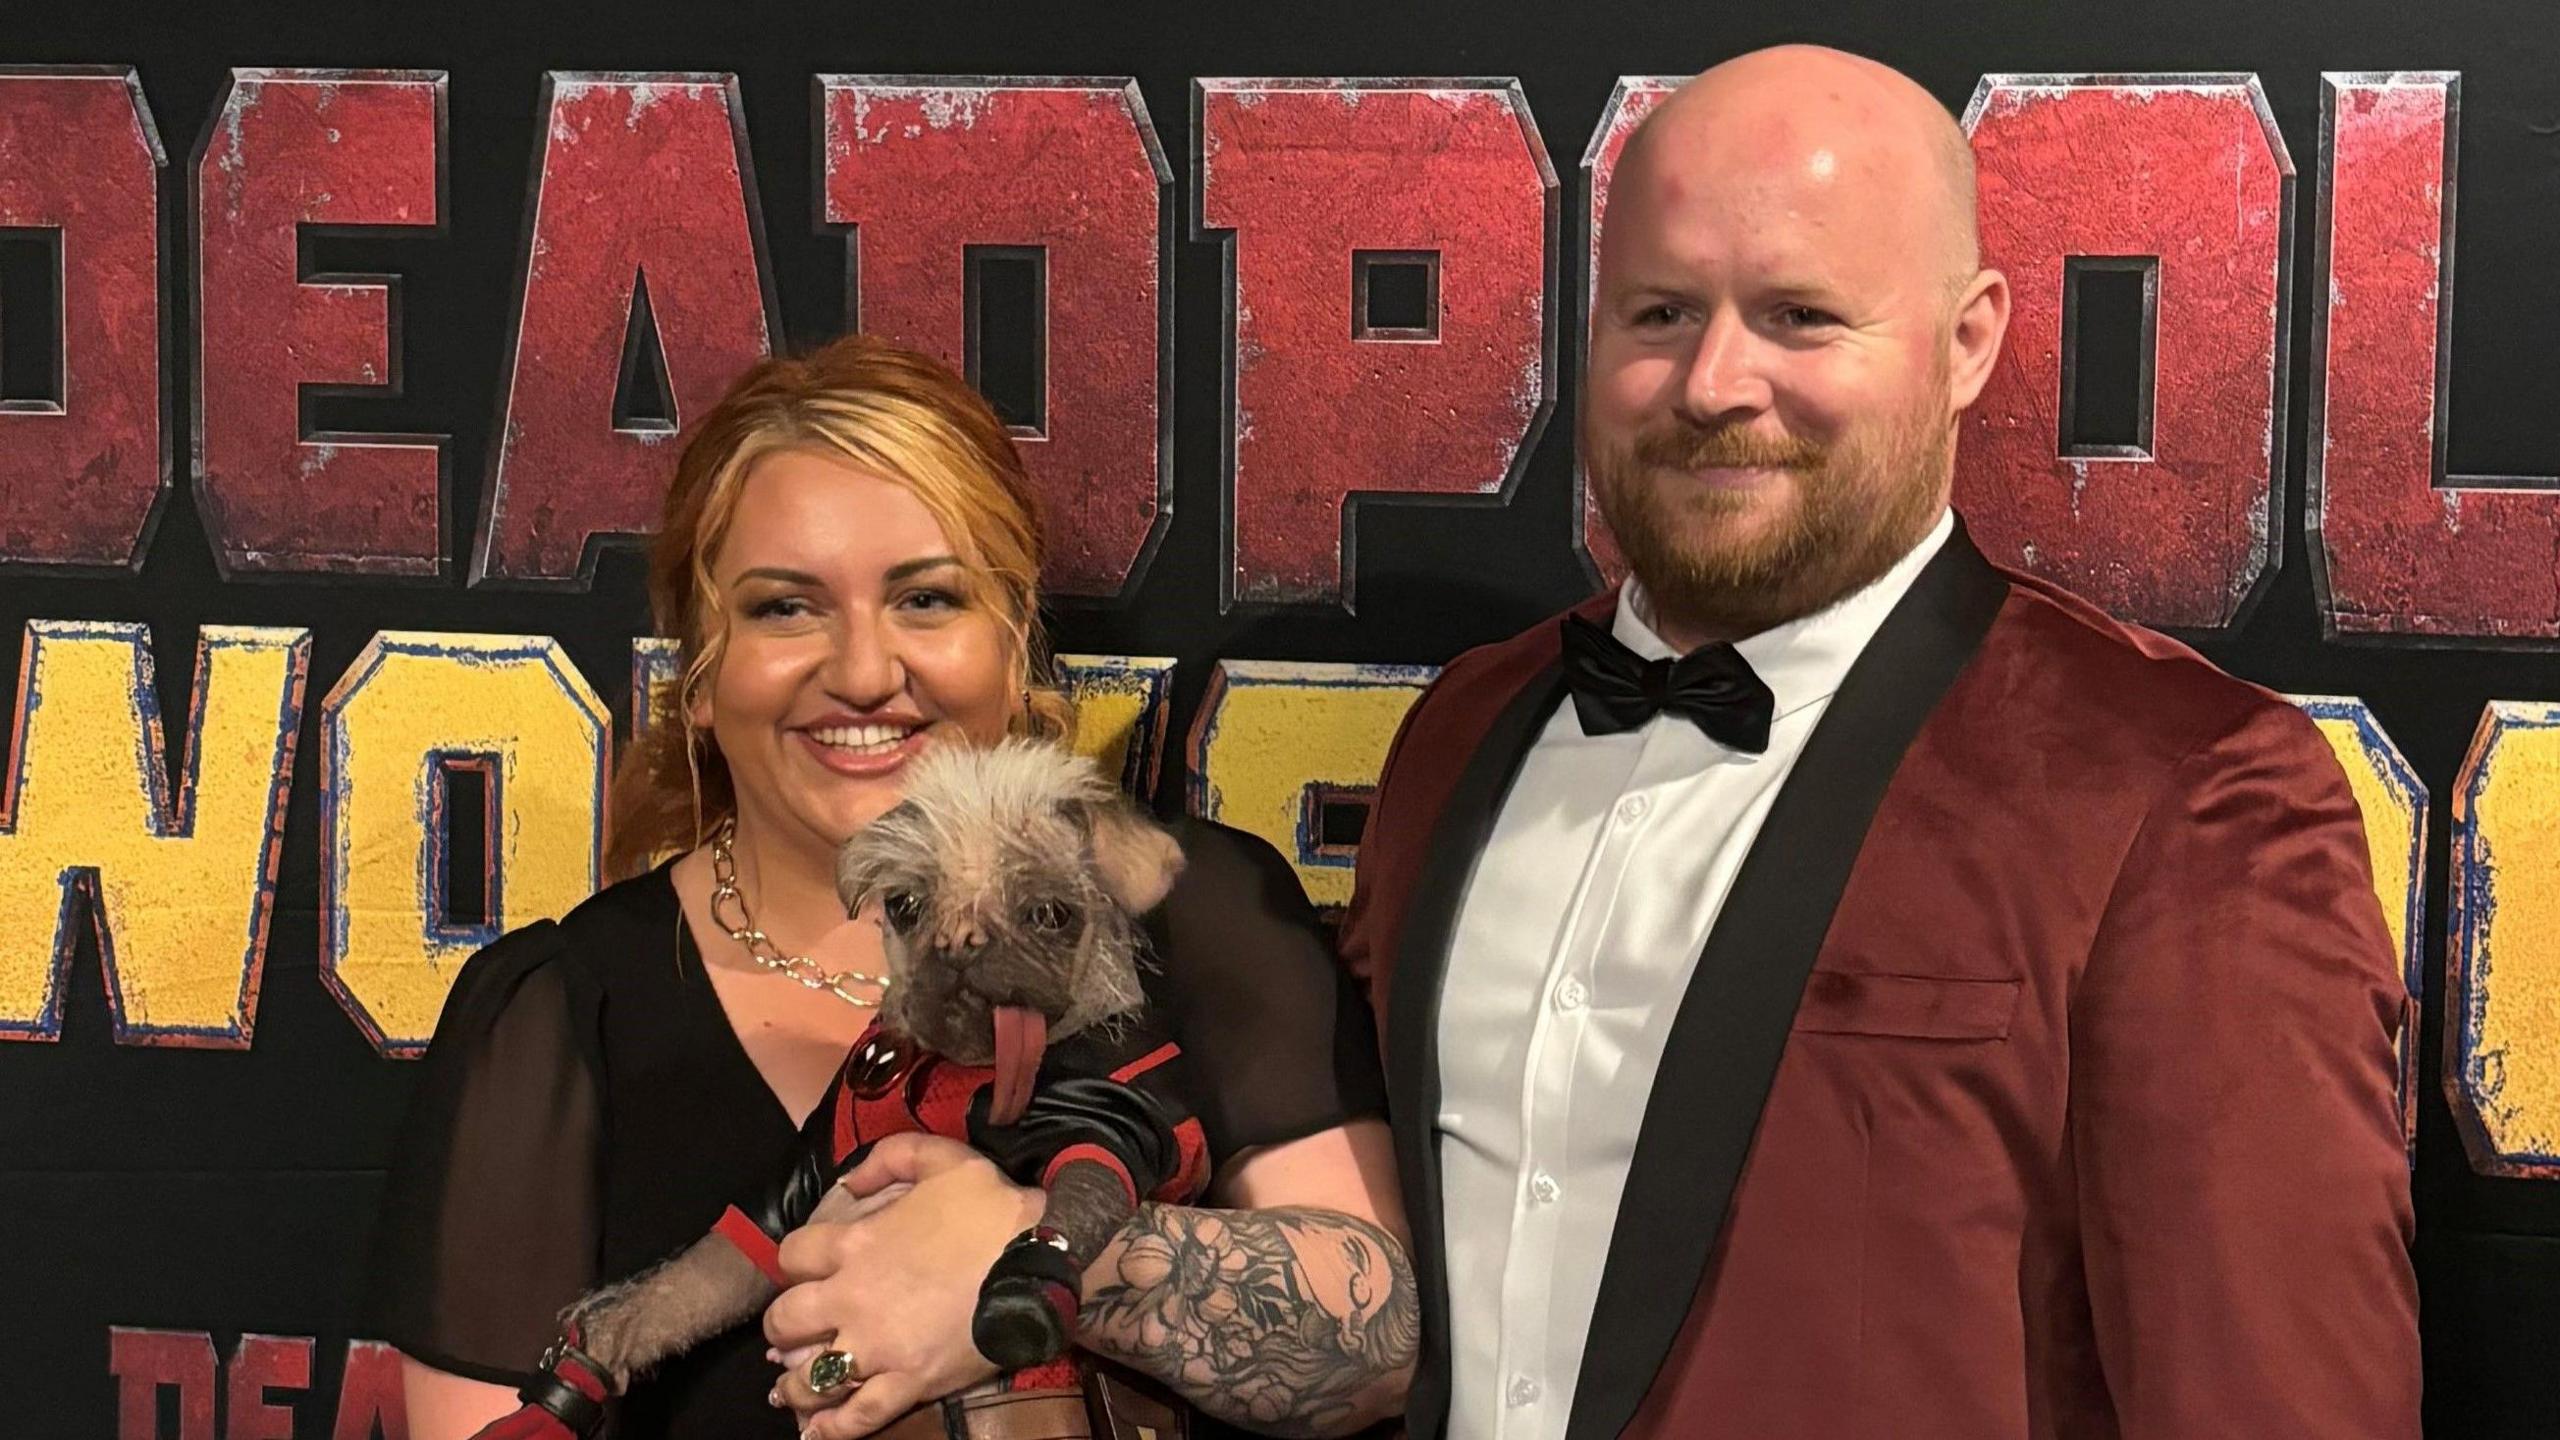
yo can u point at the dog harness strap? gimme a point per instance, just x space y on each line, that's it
1087 1150
761 1250
1146 1062
563 1401
577 1412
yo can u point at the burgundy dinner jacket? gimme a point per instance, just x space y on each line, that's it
2037 1079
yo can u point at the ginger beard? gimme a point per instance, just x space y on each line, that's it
1850 510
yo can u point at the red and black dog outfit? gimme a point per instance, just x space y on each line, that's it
1112 1096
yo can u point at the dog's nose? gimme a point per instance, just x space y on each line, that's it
962 943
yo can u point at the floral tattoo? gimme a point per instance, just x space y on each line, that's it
1283 1320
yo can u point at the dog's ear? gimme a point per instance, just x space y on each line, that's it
1136 858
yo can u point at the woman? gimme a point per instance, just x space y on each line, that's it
848 559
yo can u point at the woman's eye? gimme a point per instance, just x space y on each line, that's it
778 607
929 600
903 909
1050 915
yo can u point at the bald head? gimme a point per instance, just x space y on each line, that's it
1818 120
1789 319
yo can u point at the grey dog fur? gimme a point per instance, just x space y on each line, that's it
984 839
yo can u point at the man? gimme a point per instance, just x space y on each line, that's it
1929 1009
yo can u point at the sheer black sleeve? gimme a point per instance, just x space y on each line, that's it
490 1222
1277 1039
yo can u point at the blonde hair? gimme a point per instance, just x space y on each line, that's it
898 414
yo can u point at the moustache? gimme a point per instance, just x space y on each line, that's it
1691 449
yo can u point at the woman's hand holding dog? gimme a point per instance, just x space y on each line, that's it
896 1285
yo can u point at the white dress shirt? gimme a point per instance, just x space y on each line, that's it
1574 943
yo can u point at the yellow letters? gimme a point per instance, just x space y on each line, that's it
1120 714
179 887
2502 997
411 710
1292 753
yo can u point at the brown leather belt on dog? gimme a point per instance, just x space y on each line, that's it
1109 1409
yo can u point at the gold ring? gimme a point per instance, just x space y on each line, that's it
831 1371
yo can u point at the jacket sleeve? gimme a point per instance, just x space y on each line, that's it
2243 1190
1361 944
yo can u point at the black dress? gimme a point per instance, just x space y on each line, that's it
586 1111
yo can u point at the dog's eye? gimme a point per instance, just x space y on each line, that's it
1049 915
903 908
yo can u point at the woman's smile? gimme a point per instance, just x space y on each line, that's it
864 750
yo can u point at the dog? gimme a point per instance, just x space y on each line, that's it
1009 882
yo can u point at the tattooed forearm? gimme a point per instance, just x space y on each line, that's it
1288 1321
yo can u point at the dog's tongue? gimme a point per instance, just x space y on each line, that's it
1022 1034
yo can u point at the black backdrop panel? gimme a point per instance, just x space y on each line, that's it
216 1193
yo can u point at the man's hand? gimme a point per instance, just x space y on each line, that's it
896 1288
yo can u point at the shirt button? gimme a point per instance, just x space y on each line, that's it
1544 1187
1631 809
1524 1391
1571 994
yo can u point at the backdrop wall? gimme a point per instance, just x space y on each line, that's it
344 351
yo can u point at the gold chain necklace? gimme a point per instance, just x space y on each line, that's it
758 945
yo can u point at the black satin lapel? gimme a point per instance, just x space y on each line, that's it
1731 1029
1413 1015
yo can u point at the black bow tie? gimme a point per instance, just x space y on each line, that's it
1615 689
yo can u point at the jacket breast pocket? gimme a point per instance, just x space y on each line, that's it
1919 1007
